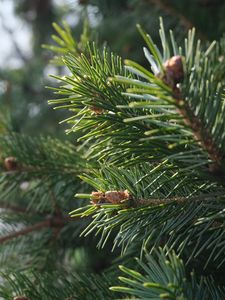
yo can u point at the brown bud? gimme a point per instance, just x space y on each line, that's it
97 197
174 69
20 298
11 163
96 110
116 197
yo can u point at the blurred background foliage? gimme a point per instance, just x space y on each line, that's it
27 24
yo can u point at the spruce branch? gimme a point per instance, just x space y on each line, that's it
162 275
109 121
153 208
154 131
33 169
56 285
192 91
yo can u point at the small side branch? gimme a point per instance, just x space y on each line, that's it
35 227
54 222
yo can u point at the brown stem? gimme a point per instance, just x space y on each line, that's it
54 222
158 201
200 133
170 10
35 227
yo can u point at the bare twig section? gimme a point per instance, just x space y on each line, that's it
176 200
24 231
53 222
157 202
170 10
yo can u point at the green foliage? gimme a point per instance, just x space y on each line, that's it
55 285
178 207
42 163
65 42
150 128
163 276
159 139
139 130
41 186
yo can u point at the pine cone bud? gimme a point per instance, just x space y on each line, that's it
11 163
116 197
174 69
20 298
97 197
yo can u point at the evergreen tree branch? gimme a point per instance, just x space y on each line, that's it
145 205
35 169
102 116
179 74
162 276
56 285
169 126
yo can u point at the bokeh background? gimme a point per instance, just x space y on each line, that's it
27 24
